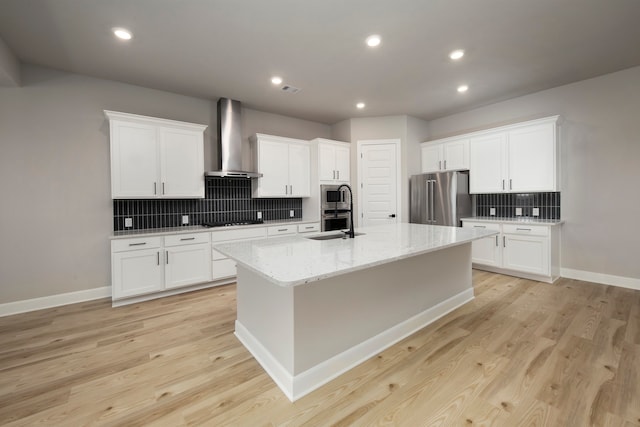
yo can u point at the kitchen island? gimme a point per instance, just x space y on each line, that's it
309 310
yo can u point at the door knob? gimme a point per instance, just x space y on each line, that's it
392 216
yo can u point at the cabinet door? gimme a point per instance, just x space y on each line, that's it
487 251
182 163
532 152
187 265
487 163
299 170
134 160
326 162
456 155
431 158
273 160
526 253
136 272
343 164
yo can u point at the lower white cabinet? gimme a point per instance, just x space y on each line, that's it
187 259
530 251
136 272
221 266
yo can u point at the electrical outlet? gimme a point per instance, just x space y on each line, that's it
259 215
518 211
128 222
185 219
492 211
536 212
291 213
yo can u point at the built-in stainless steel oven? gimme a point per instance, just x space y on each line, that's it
334 208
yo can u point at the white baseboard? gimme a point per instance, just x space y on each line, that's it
40 303
605 279
297 386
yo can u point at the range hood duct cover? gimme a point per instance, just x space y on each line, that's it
230 142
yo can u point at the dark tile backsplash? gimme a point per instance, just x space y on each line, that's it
226 200
506 204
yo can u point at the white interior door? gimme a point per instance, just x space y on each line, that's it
378 182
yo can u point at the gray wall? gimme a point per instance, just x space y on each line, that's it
54 173
600 149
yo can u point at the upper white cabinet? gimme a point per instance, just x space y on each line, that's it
155 158
516 158
285 164
333 161
445 155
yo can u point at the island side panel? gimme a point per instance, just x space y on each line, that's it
336 314
265 310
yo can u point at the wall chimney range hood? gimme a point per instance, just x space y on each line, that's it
230 142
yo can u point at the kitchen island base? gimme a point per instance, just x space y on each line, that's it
304 336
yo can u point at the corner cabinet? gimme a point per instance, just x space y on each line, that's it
334 158
285 164
518 158
155 158
445 155
521 249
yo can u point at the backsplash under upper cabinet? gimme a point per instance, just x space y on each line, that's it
506 204
226 200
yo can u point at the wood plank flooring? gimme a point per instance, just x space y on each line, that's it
523 353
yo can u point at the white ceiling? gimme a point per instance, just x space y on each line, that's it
213 48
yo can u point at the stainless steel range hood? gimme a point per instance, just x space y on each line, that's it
230 142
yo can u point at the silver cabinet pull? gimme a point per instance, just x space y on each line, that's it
163 188
158 258
187 238
523 229
503 184
496 240
167 256
445 164
286 189
510 184
334 174
439 164
155 188
282 229
338 174
291 189
504 241
307 228
137 244
479 226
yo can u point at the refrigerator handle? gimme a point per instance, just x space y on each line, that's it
427 201
432 199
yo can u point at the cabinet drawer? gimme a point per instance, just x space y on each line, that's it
186 239
278 230
482 225
526 229
308 228
245 233
223 269
136 244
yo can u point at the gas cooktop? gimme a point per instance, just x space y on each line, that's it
232 223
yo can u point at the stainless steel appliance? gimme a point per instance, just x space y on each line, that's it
440 198
334 208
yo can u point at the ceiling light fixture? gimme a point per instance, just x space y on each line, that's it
122 33
456 54
373 40
360 105
276 80
463 88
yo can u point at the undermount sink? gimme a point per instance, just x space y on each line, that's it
332 236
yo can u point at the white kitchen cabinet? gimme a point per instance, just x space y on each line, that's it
333 161
309 228
282 230
136 266
445 155
221 266
525 250
285 164
517 158
155 158
187 259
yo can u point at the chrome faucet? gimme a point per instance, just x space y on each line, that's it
351 233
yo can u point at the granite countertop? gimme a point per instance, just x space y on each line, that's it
296 260
198 229
517 220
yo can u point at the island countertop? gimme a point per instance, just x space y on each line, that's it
296 260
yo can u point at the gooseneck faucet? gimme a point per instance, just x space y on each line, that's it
351 233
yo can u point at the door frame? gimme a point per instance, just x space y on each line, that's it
366 142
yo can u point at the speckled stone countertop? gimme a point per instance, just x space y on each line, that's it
517 220
296 260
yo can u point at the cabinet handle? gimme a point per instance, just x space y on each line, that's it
286 189
163 188
439 164
445 164
308 228
504 241
496 240
510 183
167 256
523 229
187 238
291 189
137 244
334 174
158 257
282 229
338 174
155 188
479 226
503 184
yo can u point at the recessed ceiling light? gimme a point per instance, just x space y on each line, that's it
373 40
276 80
456 54
463 88
122 33
360 105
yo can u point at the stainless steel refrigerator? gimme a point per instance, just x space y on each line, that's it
440 198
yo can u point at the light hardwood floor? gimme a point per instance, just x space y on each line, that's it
523 353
